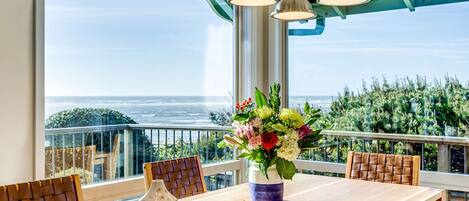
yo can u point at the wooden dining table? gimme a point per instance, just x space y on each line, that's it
321 188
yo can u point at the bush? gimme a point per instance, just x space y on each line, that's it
79 117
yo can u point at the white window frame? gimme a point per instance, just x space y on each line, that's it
39 89
259 59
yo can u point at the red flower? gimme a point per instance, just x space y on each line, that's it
240 106
304 131
269 140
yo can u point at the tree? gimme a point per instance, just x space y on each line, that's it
406 106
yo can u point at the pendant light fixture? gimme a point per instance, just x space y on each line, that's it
253 2
290 10
342 2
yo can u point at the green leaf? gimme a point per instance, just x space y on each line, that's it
261 100
263 169
286 169
241 117
274 160
310 140
279 127
244 155
311 114
274 97
307 108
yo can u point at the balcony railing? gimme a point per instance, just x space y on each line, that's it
107 153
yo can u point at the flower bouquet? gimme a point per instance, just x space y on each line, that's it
272 138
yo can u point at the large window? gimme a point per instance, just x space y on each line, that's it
155 61
132 62
395 72
431 42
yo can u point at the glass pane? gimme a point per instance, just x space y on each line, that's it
121 62
394 72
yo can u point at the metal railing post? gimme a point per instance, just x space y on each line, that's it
128 152
466 160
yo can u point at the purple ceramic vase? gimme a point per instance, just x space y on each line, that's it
263 189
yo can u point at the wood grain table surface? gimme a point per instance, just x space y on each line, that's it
320 188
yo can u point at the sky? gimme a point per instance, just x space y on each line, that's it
152 47
137 48
433 42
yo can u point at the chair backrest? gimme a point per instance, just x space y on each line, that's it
108 160
182 177
388 168
59 160
65 188
114 157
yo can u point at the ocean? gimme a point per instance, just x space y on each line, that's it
163 110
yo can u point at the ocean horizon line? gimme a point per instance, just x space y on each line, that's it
86 96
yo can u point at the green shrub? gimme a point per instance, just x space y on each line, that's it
79 117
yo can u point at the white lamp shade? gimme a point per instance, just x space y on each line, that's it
342 2
290 10
253 2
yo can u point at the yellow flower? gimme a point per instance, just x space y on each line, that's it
291 118
264 112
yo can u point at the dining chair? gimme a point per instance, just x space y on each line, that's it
64 188
182 177
387 168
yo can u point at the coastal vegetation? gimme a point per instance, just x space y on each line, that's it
403 106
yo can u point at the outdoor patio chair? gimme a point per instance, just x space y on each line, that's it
65 188
59 160
388 168
82 160
182 177
108 160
